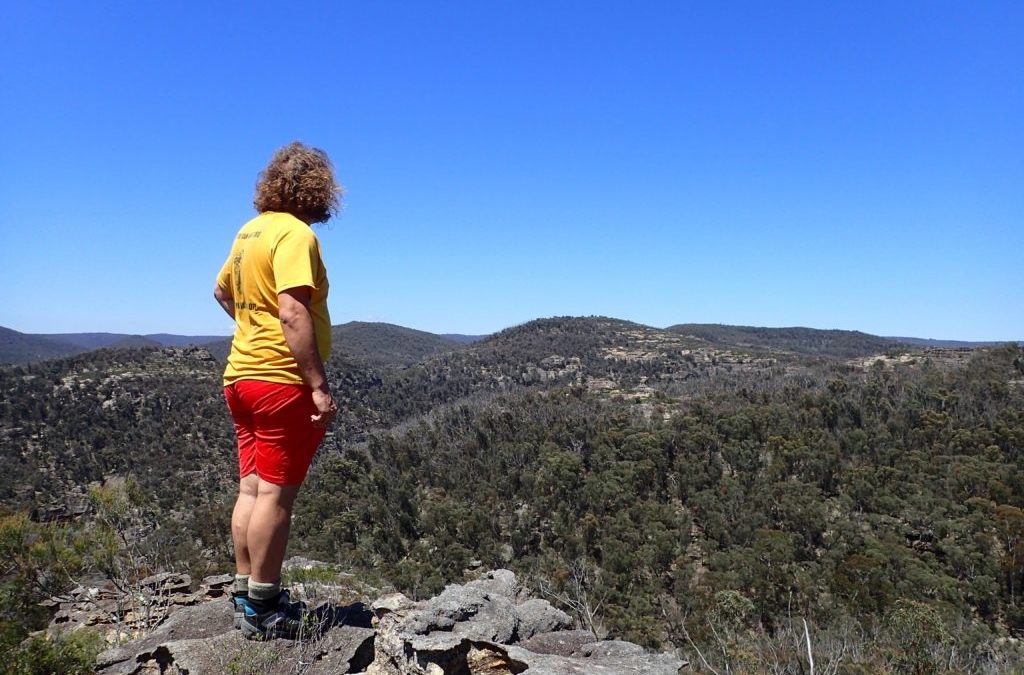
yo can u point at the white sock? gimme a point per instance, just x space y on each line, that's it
261 592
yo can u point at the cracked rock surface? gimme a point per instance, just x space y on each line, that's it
484 627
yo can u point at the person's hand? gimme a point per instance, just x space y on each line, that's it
326 408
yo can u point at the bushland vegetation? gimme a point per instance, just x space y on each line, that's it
738 506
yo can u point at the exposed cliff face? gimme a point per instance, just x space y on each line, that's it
484 627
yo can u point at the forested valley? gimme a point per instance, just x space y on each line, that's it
729 494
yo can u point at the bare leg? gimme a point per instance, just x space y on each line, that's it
248 488
267 533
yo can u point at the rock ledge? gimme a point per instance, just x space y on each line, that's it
484 627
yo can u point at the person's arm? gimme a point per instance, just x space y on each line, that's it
297 324
225 300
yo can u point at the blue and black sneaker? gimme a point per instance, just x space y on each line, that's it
277 618
238 601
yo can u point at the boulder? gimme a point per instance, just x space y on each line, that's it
559 643
539 616
641 663
474 628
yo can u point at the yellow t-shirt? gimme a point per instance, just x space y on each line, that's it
272 253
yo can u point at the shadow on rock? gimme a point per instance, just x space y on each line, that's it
328 616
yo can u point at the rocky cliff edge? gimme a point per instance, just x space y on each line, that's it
488 626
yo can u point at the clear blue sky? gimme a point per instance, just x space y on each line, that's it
834 165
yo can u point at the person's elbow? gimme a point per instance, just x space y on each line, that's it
290 317
221 295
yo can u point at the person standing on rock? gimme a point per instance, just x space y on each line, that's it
274 285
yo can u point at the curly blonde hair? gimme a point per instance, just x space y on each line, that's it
299 180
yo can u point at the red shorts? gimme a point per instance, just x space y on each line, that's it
276 437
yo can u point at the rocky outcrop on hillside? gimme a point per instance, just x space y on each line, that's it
484 627
938 356
120 611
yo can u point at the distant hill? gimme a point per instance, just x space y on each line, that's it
596 353
130 341
379 345
386 345
171 340
809 341
944 344
87 341
464 339
219 349
101 340
16 347
383 345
